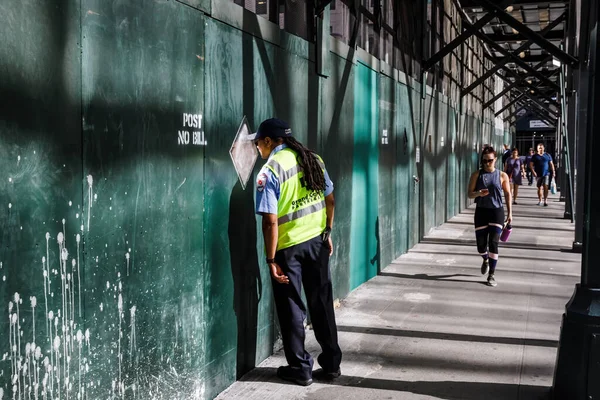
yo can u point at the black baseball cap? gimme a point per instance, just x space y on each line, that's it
272 127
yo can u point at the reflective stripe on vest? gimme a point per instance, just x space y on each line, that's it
301 213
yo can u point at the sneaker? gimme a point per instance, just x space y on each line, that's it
323 375
288 374
545 204
514 202
485 266
491 281
540 203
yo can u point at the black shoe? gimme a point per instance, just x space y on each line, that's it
323 375
491 281
485 266
287 374
545 204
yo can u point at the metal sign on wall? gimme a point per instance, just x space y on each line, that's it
243 153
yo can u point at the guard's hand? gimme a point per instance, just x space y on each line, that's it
330 245
277 273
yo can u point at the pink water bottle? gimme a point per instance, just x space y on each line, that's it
506 233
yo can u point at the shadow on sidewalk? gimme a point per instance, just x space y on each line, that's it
432 277
447 390
448 336
345 387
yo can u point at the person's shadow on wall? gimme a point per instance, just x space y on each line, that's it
245 271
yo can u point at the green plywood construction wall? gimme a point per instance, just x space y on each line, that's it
452 165
387 197
365 187
167 249
337 144
40 173
143 199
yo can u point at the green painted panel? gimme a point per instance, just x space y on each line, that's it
386 138
337 115
364 178
452 182
405 162
241 79
204 5
143 76
40 183
440 161
429 163
414 189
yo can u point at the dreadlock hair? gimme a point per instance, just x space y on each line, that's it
314 178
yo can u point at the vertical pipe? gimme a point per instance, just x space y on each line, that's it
565 132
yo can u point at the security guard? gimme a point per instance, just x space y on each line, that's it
295 198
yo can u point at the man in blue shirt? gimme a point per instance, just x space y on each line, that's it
543 170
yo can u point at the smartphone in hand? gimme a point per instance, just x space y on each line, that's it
484 192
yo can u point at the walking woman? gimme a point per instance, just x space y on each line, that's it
486 187
515 170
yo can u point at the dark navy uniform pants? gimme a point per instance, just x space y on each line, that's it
307 263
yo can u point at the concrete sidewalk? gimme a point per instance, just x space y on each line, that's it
429 328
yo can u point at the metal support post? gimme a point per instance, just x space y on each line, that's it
567 153
578 361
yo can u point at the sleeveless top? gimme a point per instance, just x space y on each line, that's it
492 182
513 165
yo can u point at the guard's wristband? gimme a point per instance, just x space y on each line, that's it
270 260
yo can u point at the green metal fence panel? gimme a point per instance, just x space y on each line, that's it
364 178
337 144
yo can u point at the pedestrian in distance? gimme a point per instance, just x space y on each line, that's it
486 187
505 154
515 170
530 154
543 171
295 198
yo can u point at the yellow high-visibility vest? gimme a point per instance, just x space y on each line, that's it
301 212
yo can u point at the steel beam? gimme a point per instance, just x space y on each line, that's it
543 117
511 38
474 4
528 33
490 72
514 85
509 72
532 103
319 5
517 60
510 103
460 39
517 109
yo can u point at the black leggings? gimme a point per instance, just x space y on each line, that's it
488 227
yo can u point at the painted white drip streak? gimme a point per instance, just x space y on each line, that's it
90 180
